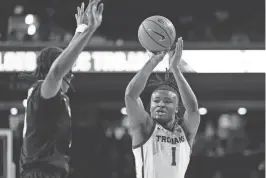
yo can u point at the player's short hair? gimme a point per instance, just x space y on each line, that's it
168 83
44 61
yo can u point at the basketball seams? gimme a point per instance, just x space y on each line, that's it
162 29
141 42
151 37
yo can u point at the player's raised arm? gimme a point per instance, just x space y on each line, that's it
191 117
88 21
135 109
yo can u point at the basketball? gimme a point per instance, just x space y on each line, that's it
156 33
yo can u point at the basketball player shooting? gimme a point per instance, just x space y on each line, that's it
162 140
47 125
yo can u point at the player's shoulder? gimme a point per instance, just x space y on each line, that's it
33 88
34 92
36 84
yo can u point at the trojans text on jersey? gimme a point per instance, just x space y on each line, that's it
171 140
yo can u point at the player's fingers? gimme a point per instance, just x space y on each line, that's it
159 55
177 47
180 43
91 4
100 9
82 7
165 52
162 54
78 9
88 9
76 16
95 2
94 12
173 47
182 46
171 53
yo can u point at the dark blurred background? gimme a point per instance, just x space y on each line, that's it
224 62
238 21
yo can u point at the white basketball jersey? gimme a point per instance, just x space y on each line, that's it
165 154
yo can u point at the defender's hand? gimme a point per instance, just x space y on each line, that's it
81 17
94 14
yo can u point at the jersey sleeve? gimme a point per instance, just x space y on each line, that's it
41 107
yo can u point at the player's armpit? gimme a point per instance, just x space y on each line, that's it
136 112
142 133
42 102
50 87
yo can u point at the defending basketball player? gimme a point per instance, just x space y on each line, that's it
162 140
47 125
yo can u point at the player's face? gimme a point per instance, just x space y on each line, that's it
65 85
163 105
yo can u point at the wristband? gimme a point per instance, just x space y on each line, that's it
81 28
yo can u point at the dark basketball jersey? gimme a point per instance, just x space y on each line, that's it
47 131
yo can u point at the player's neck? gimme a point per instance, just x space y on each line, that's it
169 125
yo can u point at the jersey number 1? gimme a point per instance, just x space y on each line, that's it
173 156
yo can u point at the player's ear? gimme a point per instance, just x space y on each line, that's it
176 109
149 106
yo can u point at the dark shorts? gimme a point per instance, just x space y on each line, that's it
41 174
